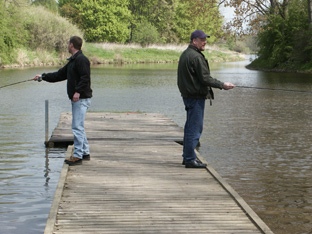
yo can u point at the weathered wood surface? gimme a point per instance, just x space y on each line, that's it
135 183
116 126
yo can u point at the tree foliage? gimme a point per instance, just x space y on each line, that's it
145 33
36 24
198 14
46 30
105 20
119 21
12 32
24 25
49 4
158 13
69 10
285 40
283 28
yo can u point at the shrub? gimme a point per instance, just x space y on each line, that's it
47 30
145 34
12 33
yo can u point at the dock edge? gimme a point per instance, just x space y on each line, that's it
57 195
237 198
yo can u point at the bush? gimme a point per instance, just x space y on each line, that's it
12 32
47 30
145 34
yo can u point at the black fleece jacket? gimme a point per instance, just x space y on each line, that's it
77 73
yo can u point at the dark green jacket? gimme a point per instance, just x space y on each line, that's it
194 80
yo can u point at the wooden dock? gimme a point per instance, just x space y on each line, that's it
135 183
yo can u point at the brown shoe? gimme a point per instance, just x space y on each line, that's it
72 161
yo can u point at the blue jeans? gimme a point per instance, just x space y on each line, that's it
79 110
193 126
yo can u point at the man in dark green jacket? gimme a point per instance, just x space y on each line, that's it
195 82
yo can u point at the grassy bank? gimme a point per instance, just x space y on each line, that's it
110 53
292 67
104 53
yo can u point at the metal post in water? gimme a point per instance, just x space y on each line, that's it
46 121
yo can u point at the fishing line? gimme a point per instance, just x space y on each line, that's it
15 83
39 79
284 90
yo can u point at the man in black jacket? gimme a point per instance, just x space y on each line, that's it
195 82
77 74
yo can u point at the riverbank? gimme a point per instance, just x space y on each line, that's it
288 67
113 53
280 70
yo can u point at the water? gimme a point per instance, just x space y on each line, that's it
258 140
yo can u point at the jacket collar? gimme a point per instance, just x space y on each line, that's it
196 49
74 56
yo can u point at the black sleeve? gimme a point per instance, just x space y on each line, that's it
60 75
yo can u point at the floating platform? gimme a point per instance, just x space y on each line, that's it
135 183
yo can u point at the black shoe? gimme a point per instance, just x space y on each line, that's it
72 161
183 162
86 157
195 164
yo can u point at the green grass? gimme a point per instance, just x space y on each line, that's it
112 53
149 55
95 53
132 53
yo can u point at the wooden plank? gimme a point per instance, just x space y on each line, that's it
118 126
135 183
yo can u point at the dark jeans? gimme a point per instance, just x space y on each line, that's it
193 126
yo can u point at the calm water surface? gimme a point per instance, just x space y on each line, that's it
258 140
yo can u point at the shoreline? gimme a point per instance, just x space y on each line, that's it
113 53
91 63
277 70
97 62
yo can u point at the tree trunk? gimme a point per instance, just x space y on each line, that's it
310 13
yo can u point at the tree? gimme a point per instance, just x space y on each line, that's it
145 33
68 9
117 21
159 13
284 39
104 20
310 13
251 15
162 15
197 14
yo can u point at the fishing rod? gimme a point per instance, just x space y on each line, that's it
39 79
284 90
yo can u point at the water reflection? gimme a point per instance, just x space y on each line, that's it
259 140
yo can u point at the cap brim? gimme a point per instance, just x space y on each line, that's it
204 36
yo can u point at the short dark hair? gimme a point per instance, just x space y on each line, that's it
77 42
